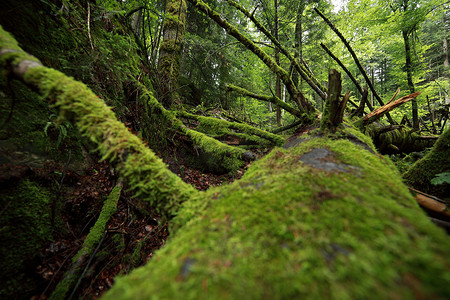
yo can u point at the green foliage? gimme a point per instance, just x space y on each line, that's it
60 125
441 178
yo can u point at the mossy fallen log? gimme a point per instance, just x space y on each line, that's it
271 99
144 172
222 126
397 139
229 157
320 218
437 161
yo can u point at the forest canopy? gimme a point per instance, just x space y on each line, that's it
224 149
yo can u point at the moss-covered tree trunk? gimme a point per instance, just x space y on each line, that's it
323 217
170 51
319 218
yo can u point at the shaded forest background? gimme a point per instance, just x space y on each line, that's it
54 185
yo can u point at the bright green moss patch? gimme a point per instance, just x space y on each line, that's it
289 230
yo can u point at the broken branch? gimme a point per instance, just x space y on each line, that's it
379 112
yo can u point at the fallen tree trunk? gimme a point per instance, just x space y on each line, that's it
271 99
317 219
80 260
323 217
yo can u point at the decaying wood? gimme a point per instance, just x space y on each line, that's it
352 78
430 202
334 108
355 58
379 112
283 128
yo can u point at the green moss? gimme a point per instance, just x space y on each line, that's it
217 126
145 172
25 226
96 232
289 230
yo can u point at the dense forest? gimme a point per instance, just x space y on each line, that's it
252 149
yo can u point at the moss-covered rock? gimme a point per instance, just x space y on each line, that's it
25 226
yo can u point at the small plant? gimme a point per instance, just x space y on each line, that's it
60 127
441 178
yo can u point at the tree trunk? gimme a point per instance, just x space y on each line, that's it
170 51
298 44
409 74
445 52
319 218
277 61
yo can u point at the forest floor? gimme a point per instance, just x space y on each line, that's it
131 236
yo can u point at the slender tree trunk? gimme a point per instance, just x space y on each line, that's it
445 52
277 60
445 44
298 45
170 51
409 71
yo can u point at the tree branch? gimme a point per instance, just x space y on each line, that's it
379 112
272 99
302 70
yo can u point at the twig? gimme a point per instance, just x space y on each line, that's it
283 128
89 25
58 193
